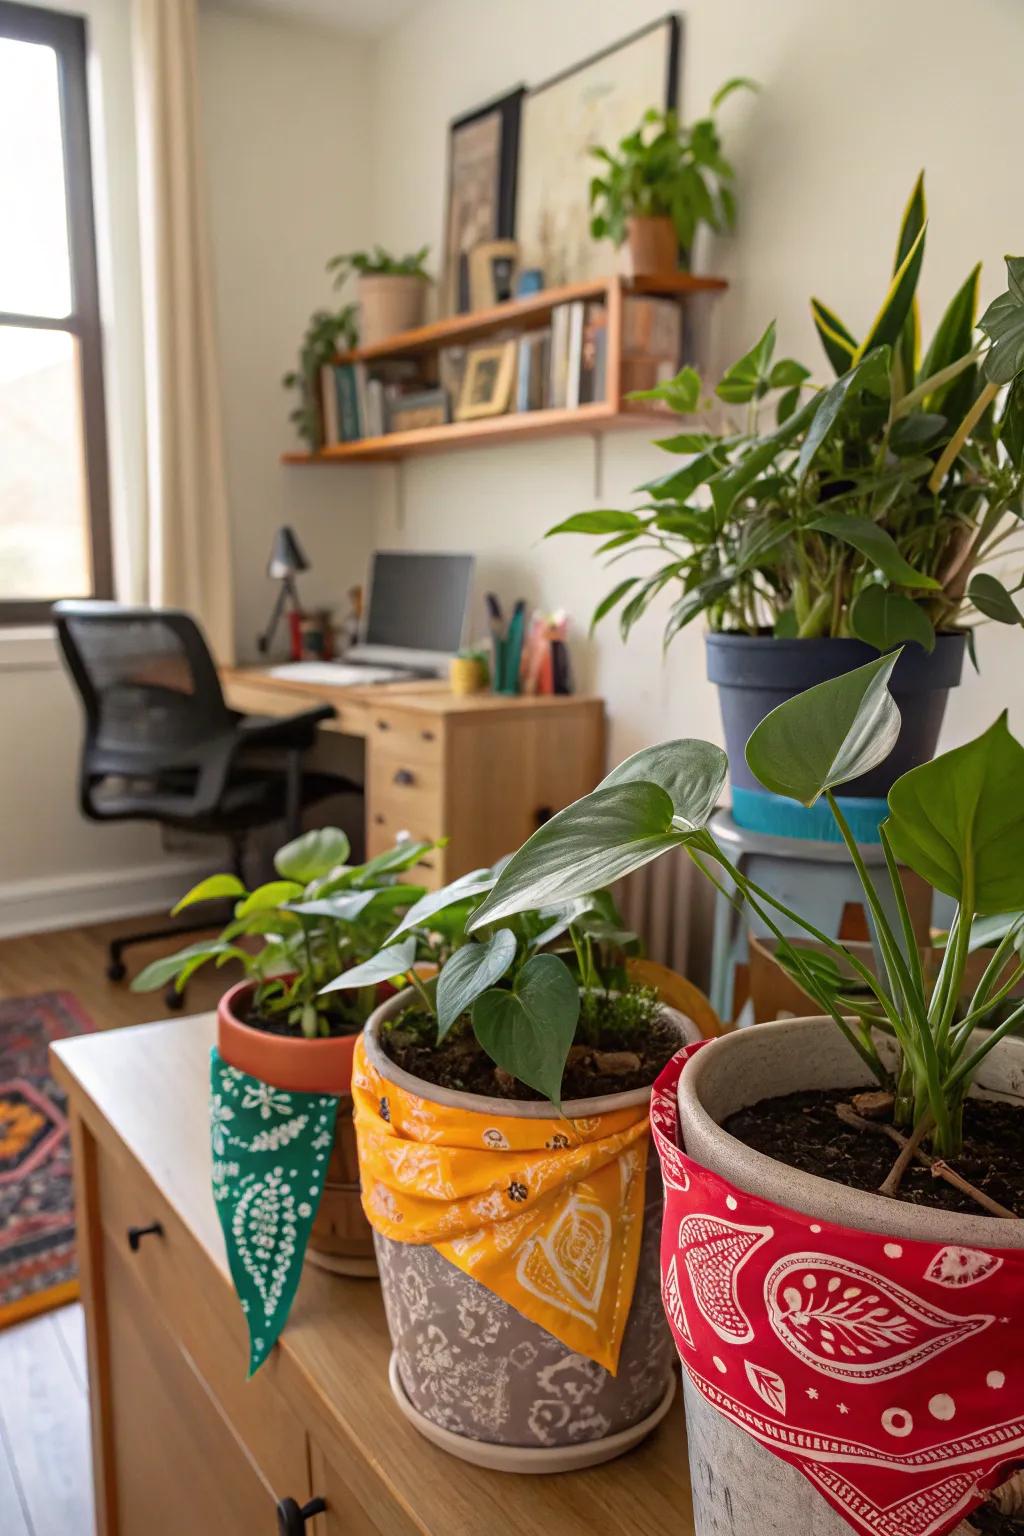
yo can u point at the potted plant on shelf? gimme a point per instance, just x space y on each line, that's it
502 1125
328 332
290 936
842 1254
856 518
660 184
392 290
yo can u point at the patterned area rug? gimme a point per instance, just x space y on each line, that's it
37 1215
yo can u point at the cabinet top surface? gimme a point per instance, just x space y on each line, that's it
429 696
147 1089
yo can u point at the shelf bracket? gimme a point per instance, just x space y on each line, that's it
598 440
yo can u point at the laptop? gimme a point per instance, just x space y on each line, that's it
412 625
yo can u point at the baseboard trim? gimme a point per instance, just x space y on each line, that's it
98 896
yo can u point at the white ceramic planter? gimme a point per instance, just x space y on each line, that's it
739 1485
511 1396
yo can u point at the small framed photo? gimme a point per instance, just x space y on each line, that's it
493 267
425 408
487 385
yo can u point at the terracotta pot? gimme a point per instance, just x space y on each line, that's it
653 246
389 304
341 1239
737 1483
515 1398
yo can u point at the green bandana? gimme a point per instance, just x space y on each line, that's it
270 1154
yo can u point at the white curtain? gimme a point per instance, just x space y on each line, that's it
188 543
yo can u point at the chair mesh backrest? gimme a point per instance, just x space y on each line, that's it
146 677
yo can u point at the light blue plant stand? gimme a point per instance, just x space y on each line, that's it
813 878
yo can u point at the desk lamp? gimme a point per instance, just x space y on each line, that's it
285 563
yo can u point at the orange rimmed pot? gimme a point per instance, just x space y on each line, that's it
341 1239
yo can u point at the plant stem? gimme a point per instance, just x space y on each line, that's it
413 979
960 436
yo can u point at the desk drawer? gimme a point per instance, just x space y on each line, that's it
201 1312
415 737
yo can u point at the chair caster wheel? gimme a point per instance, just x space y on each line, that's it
174 999
117 970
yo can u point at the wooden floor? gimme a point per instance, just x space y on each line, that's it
45 1476
75 960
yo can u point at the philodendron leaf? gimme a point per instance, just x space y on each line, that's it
887 619
877 545
986 932
600 838
168 967
348 906
959 821
469 972
602 521
312 855
276 893
395 960
1003 324
528 1031
834 732
213 888
462 889
691 772
991 598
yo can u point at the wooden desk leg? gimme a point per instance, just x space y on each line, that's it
90 1270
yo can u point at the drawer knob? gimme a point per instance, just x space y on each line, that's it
291 1518
136 1234
404 776
383 725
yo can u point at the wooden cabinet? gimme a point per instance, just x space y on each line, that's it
183 1443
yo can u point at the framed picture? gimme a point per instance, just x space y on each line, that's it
483 150
424 408
487 384
493 267
595 103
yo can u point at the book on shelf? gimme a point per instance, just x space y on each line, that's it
593 354
347 396
532 370
652 342
574 367
329 407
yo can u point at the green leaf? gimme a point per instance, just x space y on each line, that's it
787 625
213 888
680 483
348 906
959 821
1003 324
868 373
888 619
160 973
1011 424
469 972
986 932
529 1030
265 898
600 838
312 855
888 323
915 432
603 521
873 542
730 483
840 347
737 83
749 376
394 960
610 599
686 442
681 394
691 772
905 348
787 373
394 860
992 599
463 889
828 735
954 335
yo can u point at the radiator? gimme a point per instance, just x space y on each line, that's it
669 904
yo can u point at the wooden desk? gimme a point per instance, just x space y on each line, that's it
483 770
181 1442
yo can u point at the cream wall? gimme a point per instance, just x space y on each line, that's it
856 98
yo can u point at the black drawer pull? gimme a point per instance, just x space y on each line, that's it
404 776
291 1519
136 1234
383 725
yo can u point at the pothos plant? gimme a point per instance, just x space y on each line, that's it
957 821
665 169
292 934
530 987
862 507
328 332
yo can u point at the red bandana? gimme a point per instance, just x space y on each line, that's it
890 1373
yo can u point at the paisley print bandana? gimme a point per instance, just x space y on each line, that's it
890 1373
547 1214
270 1153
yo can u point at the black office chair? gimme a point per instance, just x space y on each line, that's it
161 744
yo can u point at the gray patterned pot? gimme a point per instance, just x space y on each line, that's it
738 1484
483 1381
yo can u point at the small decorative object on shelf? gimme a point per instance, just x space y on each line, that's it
530 280
392 290
487 386
420 408
660 184
467 672
492 273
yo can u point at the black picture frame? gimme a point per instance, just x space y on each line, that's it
505 111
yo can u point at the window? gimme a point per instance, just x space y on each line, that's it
54 514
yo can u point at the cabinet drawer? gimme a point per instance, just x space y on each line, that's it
203 1315
345 1515
418 738
178 1467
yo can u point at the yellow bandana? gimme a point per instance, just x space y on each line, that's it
546 1214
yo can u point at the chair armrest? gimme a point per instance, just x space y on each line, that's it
288 731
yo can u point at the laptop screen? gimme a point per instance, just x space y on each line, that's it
418 601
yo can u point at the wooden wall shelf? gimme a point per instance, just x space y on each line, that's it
528 313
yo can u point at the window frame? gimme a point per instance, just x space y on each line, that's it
66 35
